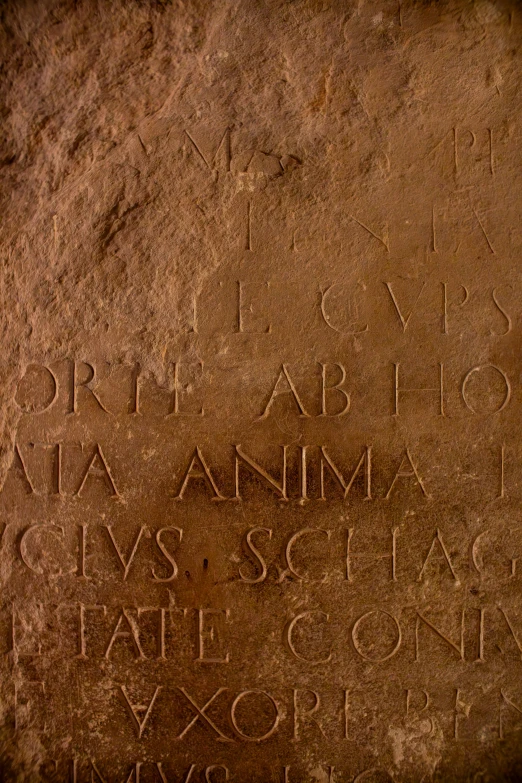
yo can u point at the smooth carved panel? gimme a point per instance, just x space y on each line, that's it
261 464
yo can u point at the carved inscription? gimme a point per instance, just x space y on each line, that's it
261 467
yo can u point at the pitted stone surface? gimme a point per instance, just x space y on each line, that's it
260 451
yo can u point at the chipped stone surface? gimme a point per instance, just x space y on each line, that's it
260 454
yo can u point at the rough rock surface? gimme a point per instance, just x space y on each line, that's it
261 328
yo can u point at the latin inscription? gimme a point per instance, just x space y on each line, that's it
260 509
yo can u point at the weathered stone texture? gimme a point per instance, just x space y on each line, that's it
261 360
